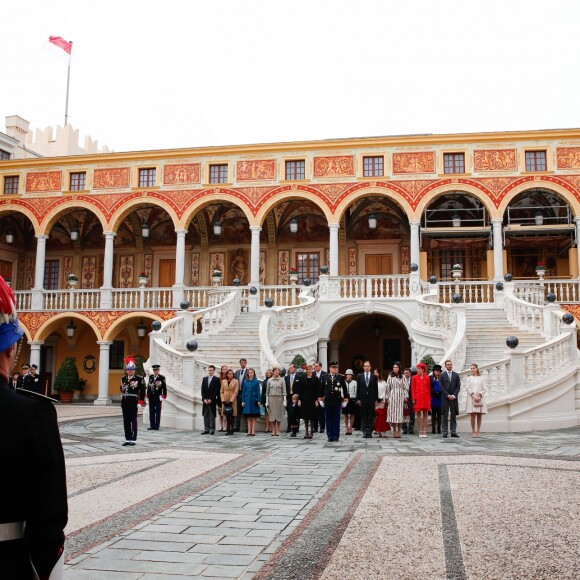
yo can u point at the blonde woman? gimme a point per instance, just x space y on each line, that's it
476 405
276 400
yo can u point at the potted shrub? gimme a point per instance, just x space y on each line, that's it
67 380
293 275
72 280
216 277
143 279
456 270
541 270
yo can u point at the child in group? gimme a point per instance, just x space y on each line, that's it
294 415
381 426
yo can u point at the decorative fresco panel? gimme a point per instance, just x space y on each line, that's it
495 160
262 267
126 271
111 178
568 157
352 262
43 181
67 268
89 272
217 261
405 260
254 170
148 269
283 266
417 162
181 174
29 273
195 268
334 166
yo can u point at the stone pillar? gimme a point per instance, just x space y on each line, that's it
333 266
37 302
323 352
577 219
414 244
179 268
103 397
255 256
497 249
107 287
35 352
333 352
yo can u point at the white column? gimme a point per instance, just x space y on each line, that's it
40 259
333 352
35 352
323 352
107 287
578 242
497 249
333 266
180 257
103 397
255 256
414 244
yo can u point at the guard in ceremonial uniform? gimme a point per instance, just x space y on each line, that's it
25 369
334 396
31 382
156 390
133 394
34 511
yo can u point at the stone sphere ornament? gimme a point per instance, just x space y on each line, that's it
414 267
184 304
512 341
324 269
432 279
191 345
269 302
457 298
156 326
236 282
551 297
307 282
253 290
508 277
567 318
499 286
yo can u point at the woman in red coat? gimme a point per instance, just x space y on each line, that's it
421 390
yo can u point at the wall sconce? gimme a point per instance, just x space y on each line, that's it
217 228
74 233
372 221
9 237
70 329
294 225
456 220
145 229
141 329
539 217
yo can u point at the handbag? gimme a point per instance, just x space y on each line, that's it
477 402
262 410
228 410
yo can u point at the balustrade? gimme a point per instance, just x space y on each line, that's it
366 287
471 292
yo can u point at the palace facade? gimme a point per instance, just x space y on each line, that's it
144 231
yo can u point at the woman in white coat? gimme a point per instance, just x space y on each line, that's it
476 405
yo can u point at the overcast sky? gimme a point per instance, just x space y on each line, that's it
152 74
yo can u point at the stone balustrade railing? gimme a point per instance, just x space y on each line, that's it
496 377
435 315
472 292
141 298
286 295
23 300
527 315
215 318
71 299
365 287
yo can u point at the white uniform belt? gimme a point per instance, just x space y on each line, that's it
11 531
130 395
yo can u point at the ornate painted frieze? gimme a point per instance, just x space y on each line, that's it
111 178
256 170
568 157
415 162
494 160
182 173
334 166
43 181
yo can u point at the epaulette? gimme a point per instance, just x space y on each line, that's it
37 396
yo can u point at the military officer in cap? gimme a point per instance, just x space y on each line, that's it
25 369
31 382
156 391
34 511
132 394
334 396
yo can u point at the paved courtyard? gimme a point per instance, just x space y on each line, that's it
183 505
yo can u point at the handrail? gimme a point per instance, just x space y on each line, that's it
526 315
267 358
367 287
472 292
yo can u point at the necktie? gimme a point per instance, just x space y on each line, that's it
367 379
291 384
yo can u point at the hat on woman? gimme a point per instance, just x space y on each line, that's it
437 368
422 366
349 372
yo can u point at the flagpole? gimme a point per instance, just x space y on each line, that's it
67 87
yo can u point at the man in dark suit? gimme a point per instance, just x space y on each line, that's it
450 385
32 381
241 376
293 386
320 421
210 390
367 393
334 396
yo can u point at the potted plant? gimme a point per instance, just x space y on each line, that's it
456 270
216 277
541 270
143 279
67 380
293 275
72 280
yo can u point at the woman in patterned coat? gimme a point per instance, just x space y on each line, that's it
396 395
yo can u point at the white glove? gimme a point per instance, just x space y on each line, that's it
284 401
321 403
343 405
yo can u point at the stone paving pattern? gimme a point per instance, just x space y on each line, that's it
277 507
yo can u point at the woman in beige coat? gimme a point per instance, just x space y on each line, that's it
229 394
476 405
276 400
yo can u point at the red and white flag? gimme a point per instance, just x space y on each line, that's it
61 43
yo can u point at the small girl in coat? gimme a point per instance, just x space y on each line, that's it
294 416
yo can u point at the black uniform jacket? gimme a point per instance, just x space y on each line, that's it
156 387
134 385
333 389
32 484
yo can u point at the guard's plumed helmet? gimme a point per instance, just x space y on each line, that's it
130 364
10 331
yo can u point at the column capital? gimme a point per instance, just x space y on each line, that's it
109 235
41 237
577 220
497 221
35 343
104 343
254 229
180 232
333 226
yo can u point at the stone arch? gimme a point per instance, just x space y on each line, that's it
210 199
68 206
113 330
27 332
354 194
476 192
55 321
22 209
551 186
133 204
280 195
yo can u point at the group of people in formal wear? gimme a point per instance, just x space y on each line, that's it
318 398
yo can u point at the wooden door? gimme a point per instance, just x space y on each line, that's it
378 264
166 273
